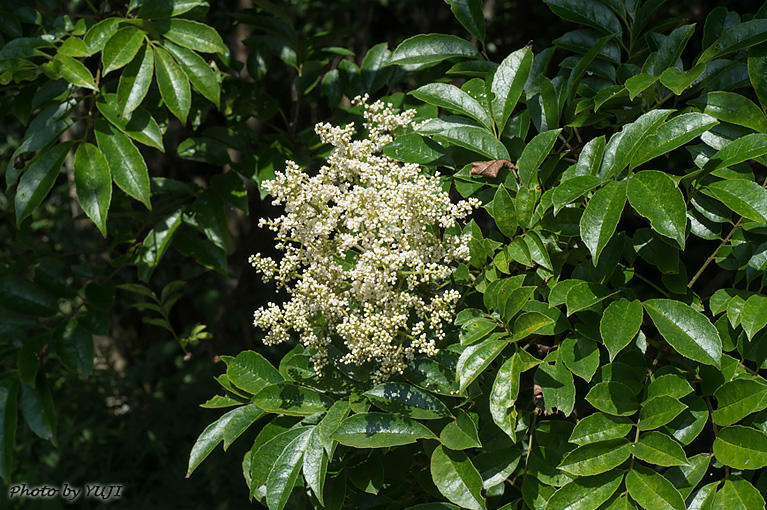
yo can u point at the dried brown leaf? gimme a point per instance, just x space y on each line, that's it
491 168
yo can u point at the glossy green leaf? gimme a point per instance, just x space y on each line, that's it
679 81
639 83
457 478
135 80
431 375
738 493
476 330
528 323
590 157
659 449
534 154
315 465
467 134
704 498
270 444
202 77
613 398
284 473
737 399
753 316
407 400
93 182
73 71
98 35
572 189
654 195
584 295
242 418
74 347
167 8
673 134
506 389
454 99
496 466
741 447
291 400
741 36
192 35
139 125
251 372
600 219
8 421
585 493
595 458
504 212
121 48
742 196
330 423
173 84
469 13
581 356
127 166
600 427
156 243
508 82
556 383
429 48
415 148
592 13
736 109
36 406
632 136
461 433
658 411
380 430
36 182
619 325
671 385
686 478
651 490
757 69
687 330
669 51
476 358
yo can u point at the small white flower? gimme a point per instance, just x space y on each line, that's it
365 257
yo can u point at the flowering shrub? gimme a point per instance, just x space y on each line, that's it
371 242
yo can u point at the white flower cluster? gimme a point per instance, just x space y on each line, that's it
366 256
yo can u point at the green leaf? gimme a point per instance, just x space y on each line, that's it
291 400
585 295
457 478
600 427
36 406
671 385
601 217
654 195
619 325
590 157
476 358
734 108
271 442
744 197
595 458
430 48
613 398
504 212
316 464
251 372
505 391
753 316
375 70
469 13
659 449
687 330
202 77
73 71
679 81
757 68
431 375
589 12
156 244
581 356
670 50
686 478
74 347
121 48
467 134
93 182
737 38
173 84
454 99
98 35
38 179
8 420
127 166
192 35
407 400
461 433
477 329
742 149
586 493
572 189
638 84
738 493
658 411
741 447
632 136
135 80
673 134
139 125
380 430
241 420
508 82
737 399
284 473
651 490
704 498
496 466
415 148
534 154
529 322
556 382
167 8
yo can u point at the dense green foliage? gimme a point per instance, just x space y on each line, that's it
612 329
